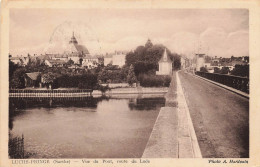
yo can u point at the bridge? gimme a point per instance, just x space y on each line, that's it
210 120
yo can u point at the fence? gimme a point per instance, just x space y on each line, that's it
239 83
49 93
16 147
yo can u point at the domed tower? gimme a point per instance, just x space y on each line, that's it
73 39
148 43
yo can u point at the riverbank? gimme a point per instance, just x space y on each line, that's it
133 90
84 92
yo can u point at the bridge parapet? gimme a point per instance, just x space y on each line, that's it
236 82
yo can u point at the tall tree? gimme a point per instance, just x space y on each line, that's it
17 81
131 78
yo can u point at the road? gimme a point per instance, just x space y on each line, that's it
220 118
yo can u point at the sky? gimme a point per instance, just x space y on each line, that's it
216 32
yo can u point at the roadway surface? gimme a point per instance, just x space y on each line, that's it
220 118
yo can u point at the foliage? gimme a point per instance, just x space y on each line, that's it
70 62
17 80
145 59
224 70
203 69
102 88
131 78
113 74
84 81
216 70
241 70
48 78
154 80
12 68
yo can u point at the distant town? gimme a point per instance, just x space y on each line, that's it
149 65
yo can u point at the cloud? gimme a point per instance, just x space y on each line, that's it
220 32
238 43
214 41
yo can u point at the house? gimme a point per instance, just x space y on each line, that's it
90 64
20 60
165 65
63 57
15 60
200 60
182 62
54 63
119 59
108 60
185 62
87 59
32 79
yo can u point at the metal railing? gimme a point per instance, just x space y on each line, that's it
236 82
49 93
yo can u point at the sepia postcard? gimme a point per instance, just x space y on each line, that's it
130 83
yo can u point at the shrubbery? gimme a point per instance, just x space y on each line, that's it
154 80
113 74
241 70
17 80
84 81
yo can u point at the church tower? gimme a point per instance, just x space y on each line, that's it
148 43
73 39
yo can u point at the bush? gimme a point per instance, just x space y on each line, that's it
154 80
241 70
17 81
131 78
224 70
84 81
113 74
203 69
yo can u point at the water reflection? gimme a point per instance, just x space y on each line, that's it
84 127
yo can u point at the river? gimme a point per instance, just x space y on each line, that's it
114 127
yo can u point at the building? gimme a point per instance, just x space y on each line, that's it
90 63
182 62
32 79
199 61
118 59
165 65
73 51
54 63
185 62
108 60
15 60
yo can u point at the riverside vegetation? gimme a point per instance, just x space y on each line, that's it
141 66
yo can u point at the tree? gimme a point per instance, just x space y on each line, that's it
145 59
224 70
17 81
12 68
216 70
48 78
70 62
131 78
203 69
241 70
